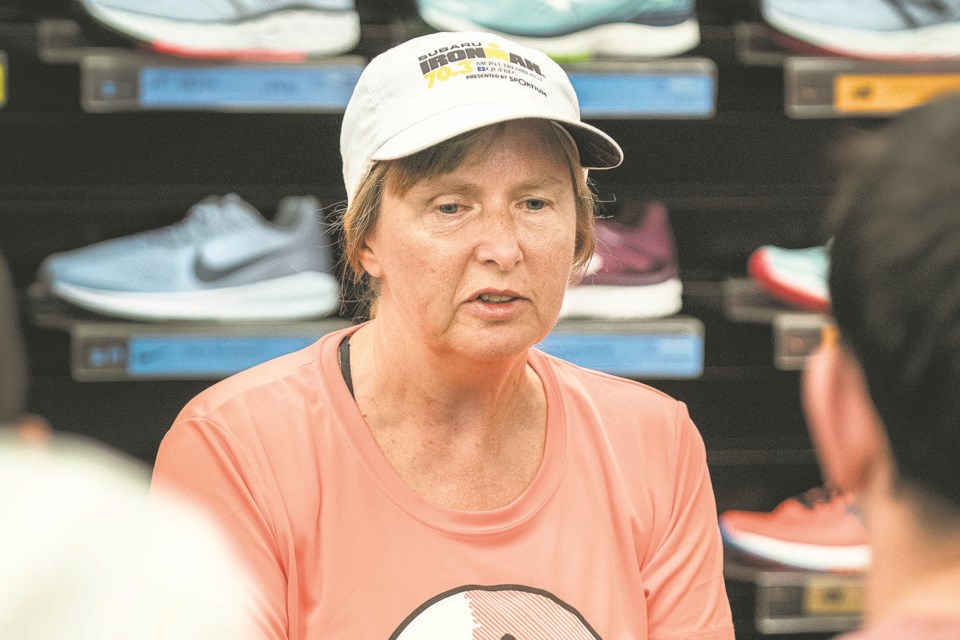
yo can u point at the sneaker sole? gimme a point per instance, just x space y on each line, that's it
799 555
936 41
615 39
799 291
284 34
622 302
302 295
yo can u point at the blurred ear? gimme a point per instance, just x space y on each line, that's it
368 257
846 430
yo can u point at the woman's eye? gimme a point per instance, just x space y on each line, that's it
535 204
449 208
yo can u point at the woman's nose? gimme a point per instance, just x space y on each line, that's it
499 239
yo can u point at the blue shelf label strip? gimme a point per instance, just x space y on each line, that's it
206 356
270 87
248 87
636 356
632 95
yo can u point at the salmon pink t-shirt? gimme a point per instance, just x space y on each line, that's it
616 536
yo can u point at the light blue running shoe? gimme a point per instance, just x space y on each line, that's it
273 29
574 29
224 261
884 29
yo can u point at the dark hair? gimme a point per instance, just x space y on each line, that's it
895 288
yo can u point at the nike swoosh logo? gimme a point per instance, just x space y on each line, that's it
206 273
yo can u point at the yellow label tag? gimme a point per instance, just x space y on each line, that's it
829 336
3 83
889 93
833 597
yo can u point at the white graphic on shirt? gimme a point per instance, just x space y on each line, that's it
502 612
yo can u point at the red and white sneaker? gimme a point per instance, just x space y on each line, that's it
796 276
818 531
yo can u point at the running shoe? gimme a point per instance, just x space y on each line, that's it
796 276
250 29
224 261
633 272
576 29
818 531
881 29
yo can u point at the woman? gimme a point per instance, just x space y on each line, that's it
429 474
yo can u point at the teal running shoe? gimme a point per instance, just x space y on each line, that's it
575 29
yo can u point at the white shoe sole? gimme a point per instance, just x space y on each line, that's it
303 295
802 556
936 41
623 302
615 39
289 32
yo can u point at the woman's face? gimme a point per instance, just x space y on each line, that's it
475 262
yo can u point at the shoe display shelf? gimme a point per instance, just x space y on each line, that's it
840 87
103 349
120 79
796 334
787 603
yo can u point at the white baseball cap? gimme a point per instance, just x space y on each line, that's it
432 88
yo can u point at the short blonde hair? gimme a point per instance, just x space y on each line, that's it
361 216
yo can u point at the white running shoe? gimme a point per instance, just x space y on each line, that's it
272 29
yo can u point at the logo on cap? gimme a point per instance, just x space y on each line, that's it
474 60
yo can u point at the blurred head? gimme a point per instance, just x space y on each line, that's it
89 553
422 108
895 291
13 370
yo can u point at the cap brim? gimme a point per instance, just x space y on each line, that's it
597 149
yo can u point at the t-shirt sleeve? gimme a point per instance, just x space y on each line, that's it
683 574
202 462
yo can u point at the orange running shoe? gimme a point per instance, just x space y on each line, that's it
819 531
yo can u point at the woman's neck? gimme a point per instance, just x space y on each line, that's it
462 437
402 378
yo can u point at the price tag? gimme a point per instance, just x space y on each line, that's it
874 93
833 597
636 95
3 78
672 348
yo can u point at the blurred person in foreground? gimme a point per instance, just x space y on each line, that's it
85 551
430 473
883 400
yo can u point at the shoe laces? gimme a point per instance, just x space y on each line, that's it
825 497
900 6
209 217
820 496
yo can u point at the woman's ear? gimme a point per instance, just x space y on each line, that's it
844 426
369 259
